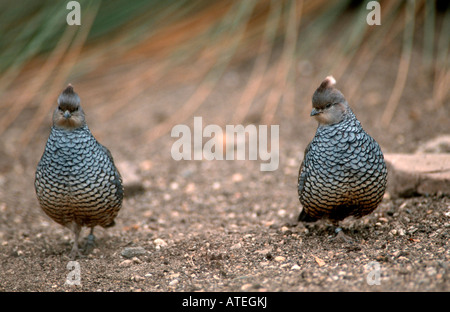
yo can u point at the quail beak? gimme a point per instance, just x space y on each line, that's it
67 114
315 112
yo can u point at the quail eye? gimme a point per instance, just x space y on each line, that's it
328 105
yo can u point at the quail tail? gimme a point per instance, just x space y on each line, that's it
304 217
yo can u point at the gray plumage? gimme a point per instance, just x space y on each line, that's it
343 172
77 183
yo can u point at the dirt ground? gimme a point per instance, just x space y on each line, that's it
225 225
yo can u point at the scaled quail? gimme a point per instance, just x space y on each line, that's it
77 183
343 172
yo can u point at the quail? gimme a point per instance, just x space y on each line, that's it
77 183
343 172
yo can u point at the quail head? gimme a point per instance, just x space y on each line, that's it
343 172
77 184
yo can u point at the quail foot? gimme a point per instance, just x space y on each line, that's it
77 183
343 172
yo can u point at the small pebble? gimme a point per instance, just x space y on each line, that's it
396 253
237 177
236 246
159 243
280 258
431 271
145 165
190 188
137 278
126 263
174 275
292 162
130 252
136 260
319 261
246 287
284 229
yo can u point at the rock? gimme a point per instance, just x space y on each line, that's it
145 165
319 261
190 188
174 275
237 177
130 252
126 263
136 260
284 229
236 246
418 174
159 243
246 287
280 258
137 278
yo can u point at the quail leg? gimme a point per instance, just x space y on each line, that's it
340 235
90 242
75 252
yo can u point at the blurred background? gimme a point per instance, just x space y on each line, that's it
141 67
